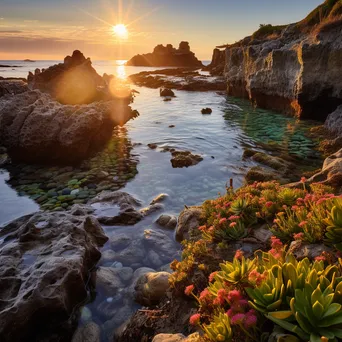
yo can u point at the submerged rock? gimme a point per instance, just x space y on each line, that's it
35 128
167 221
166 92
206 111
184 159
151 288
90 332
45 261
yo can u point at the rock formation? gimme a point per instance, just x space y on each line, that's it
73 82
35 128
167 56
12 87
45 261
294 69
216 67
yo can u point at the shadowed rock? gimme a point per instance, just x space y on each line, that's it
35 128
45 263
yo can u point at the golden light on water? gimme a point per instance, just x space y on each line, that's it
120 31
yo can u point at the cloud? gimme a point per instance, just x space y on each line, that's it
10 31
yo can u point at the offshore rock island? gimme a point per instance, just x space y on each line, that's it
167 56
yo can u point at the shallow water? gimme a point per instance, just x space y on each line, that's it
220 138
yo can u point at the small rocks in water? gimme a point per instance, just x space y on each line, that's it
167 99
108 279
152 146
74 192
86 315
184 159
167 221
172 126
119 241
206 111
159 198
117 264
151 288
166 92
151 209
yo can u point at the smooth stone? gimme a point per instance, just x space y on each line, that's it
74 192
90 332
159 198
119 241
86 315
167 221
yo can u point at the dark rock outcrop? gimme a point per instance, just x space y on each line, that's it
167 56
73 82
334 122
45 261
12 87
216 67
35 128
294 69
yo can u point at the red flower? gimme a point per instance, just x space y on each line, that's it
223 220
269 204
303 180
195 319
298 236
251 319
212 276
233 224
302 224
188 290
238 254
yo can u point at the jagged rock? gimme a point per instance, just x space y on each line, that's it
216 67
334 122
166 92
151 288
73 82
296 70
12 87
151 209
35 128
167 56
184 159
88 333
188 223
167 221
45 261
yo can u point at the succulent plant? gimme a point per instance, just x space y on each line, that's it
236 271
244 208
289 196
219 329
334 224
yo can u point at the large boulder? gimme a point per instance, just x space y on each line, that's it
334 122
188 223
45 263
35 128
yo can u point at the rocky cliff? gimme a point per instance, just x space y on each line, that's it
167 56
295 69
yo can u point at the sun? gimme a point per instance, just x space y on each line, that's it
120 30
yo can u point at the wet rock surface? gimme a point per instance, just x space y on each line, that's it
45 263
184 159
180 79
35 128
188 222
167 221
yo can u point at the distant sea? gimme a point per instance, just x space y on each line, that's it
114 67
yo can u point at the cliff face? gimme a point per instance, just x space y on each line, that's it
167 56
294 69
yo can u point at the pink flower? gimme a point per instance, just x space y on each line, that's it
302 224
298 236
238 254
188 290
237 319
195 319
234 217
233 224
276 221
234 296
251 319
276 254
223 220
269 204
284 206
230 313
303 180
294 207
212 276
202 228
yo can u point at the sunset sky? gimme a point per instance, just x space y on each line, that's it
51 29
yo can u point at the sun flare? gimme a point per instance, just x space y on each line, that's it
120 30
